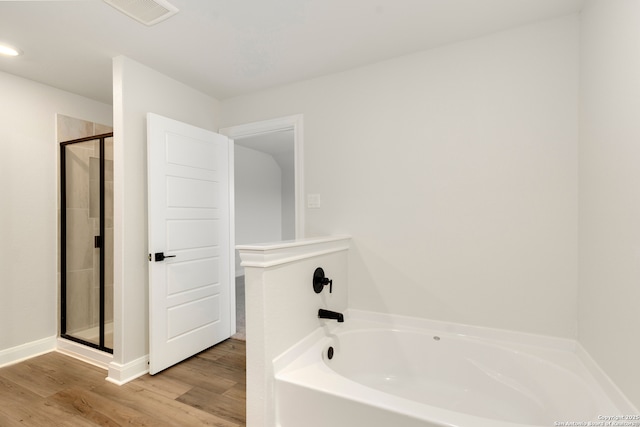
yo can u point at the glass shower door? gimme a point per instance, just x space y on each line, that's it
87 241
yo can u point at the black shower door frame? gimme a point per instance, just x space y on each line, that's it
99 243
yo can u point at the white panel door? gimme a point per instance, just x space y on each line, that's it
190 241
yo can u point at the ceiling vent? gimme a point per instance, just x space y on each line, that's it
148 12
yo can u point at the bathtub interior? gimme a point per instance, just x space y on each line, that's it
464 374
395 371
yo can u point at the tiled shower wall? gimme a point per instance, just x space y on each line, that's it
83 280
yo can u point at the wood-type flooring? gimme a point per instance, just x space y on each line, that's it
208 389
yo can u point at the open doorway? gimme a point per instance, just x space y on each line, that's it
267 189
264 189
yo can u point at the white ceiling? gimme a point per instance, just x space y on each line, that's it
230 47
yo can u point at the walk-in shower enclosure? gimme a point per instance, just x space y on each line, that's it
86 253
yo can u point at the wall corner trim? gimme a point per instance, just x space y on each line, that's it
121 374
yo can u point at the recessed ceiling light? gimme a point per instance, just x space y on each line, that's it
9 50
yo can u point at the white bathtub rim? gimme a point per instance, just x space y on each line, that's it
288 366
607 384
483 332
292 355
326 327
531 343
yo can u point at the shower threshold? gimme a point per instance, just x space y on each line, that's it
85 353
92 335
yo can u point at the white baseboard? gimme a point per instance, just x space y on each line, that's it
87 354
26 351
121 374
117 373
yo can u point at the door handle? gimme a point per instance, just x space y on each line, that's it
160 256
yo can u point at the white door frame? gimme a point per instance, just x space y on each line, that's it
276 125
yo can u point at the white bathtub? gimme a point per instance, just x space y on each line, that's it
404 372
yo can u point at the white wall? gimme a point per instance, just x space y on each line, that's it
609 324
138 90
285 160
29 205
258 196
455 171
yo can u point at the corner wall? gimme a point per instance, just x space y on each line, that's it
455 172
282 307
258 196
609 246
29 213
138 90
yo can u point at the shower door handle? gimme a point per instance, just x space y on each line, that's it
160 256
